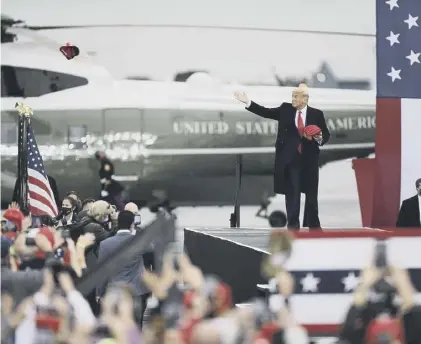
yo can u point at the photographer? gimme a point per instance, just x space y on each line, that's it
101 220
86 206
373 315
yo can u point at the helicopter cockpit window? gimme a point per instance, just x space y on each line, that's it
28 82
9 84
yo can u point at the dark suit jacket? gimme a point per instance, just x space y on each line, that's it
129 273
409 214
288 140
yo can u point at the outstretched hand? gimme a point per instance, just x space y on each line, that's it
241 96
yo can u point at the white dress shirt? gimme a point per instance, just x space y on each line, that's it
303 116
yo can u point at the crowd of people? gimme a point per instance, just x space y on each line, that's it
44 258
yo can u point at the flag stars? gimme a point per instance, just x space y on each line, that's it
413 57
310 283
350 282
411 21
392 4
395 74
393 38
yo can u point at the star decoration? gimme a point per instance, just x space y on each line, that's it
350 282
393 38
411 21
413 57
395 74
392 4
310 283
23 109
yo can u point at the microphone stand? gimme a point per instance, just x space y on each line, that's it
235 216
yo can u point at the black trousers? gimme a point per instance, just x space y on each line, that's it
141 301
293 180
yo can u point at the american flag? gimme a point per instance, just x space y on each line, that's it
41 198
398 142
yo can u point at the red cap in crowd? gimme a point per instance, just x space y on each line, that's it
45 231
384 328
15 216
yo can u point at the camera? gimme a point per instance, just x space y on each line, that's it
8 227
137 219
160 201
102 331
30 237
383 291
48 318
276 218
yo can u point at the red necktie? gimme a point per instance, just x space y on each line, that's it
300 127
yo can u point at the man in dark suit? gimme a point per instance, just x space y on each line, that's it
297 155
410 212
131 272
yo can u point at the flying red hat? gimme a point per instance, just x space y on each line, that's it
312 130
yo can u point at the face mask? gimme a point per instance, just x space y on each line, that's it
66 211
106 219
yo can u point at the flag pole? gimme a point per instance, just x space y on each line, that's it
24 117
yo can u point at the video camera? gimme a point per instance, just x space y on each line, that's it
8 227
276 218
159 201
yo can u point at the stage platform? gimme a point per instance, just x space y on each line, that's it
325 265
258 238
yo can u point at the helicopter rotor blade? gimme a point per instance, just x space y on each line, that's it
186 26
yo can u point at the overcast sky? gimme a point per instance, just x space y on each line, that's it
229 54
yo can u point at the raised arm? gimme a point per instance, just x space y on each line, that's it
272 113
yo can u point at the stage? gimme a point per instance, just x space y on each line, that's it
258 238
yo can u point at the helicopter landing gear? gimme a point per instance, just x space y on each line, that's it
277 218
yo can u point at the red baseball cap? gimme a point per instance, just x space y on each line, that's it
16 216
384 328
312 130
